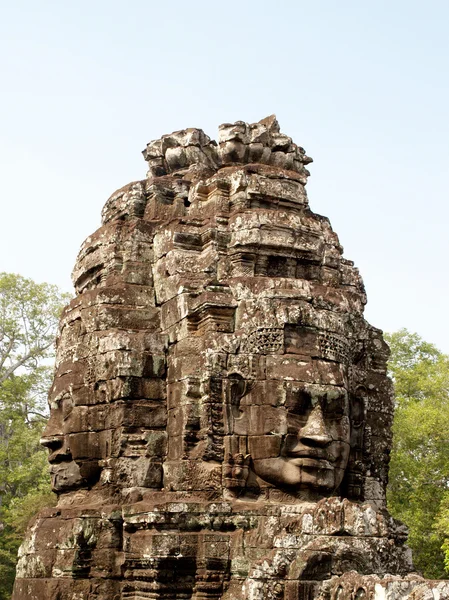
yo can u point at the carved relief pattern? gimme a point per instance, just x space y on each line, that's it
266 340
334 347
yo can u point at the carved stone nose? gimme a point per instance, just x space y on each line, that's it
52 442
314 432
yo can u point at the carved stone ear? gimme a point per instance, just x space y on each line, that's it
238 387
356 469
357 406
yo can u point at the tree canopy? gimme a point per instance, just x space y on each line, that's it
29 314
419 471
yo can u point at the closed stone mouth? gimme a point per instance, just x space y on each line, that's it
57 458
311 461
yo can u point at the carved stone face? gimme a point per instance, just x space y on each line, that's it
73 454
302 443
316 448
295 424
111 434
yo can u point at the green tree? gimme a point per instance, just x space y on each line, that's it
419 468
29 314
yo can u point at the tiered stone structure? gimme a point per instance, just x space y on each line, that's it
220 415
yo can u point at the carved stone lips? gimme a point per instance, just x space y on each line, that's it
311 461
311 458
59 457
310 453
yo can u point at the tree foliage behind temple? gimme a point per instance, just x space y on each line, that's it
29 314
419 471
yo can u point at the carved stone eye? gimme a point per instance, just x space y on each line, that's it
66 406
334 408
299 404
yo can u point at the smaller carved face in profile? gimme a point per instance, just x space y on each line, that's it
64 471
74 450
302 443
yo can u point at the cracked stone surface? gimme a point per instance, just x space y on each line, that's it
220 415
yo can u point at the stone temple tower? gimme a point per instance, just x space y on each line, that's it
221 416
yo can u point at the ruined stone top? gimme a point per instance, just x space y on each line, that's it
181 162
238 143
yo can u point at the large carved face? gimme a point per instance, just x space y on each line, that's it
303 443
294 426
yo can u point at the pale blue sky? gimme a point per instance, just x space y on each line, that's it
363 86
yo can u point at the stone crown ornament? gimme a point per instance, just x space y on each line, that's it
220 420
